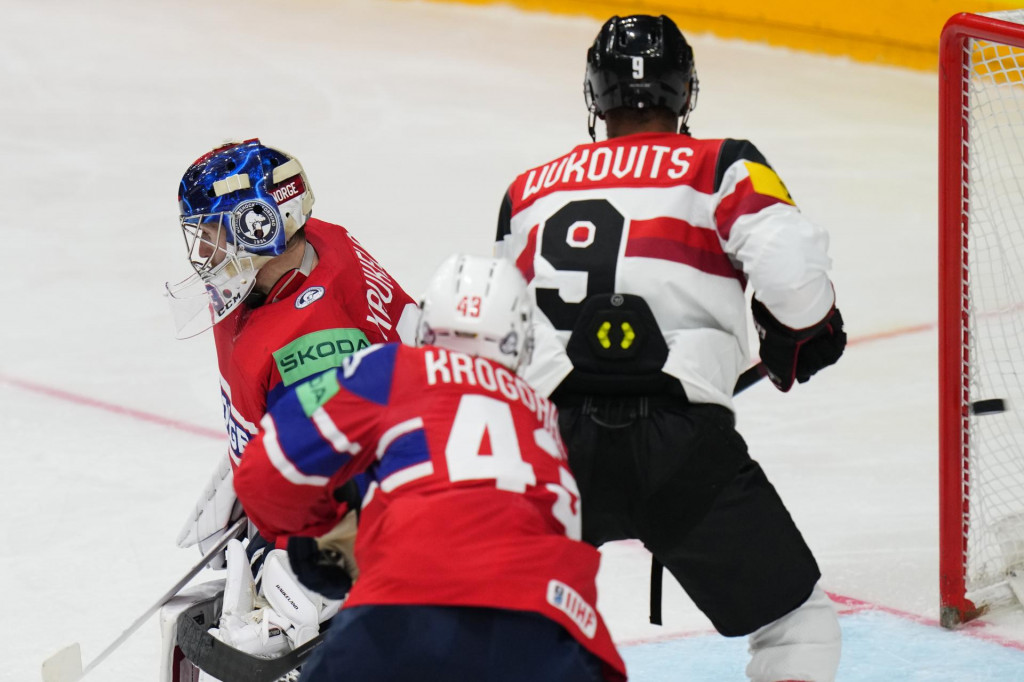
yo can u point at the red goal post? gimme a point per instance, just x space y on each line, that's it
981 312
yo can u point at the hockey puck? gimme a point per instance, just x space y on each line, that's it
990 406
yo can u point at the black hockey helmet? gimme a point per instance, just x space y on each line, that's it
639 62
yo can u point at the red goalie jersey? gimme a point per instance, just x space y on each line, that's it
470 502
347 303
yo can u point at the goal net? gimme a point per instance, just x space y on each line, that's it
981 312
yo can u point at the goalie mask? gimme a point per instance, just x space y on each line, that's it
640 62
239 205
480 307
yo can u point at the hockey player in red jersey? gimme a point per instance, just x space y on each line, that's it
470 567
639 250
288 296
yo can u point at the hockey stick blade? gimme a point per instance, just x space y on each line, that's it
750 377
66 664
229 664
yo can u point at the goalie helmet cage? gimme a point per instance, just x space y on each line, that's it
981 312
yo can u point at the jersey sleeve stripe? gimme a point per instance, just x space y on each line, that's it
678 241
332 434
404 455
744 201
281 462
396 432
301 440
403 476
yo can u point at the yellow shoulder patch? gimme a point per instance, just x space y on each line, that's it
766 182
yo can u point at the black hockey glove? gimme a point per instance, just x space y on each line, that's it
797 354
322 571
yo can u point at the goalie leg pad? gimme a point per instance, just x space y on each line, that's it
215 510
174 667
802 645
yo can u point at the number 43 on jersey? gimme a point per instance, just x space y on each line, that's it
483 444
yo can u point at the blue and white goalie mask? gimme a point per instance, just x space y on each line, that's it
239 205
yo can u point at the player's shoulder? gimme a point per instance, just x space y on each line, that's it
338 267
731 151
329 240
370 372
323 229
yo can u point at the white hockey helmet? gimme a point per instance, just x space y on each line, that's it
478 306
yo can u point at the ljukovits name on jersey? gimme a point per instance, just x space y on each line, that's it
628 163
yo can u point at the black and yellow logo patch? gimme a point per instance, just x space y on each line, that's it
765 181
624 341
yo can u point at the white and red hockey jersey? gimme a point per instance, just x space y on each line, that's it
686 224
347 302
471 502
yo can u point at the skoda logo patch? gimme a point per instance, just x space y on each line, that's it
255 223
309 296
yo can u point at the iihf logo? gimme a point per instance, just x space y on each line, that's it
572 604
255 223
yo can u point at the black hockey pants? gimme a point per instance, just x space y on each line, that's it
678 477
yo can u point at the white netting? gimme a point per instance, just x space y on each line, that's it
994 194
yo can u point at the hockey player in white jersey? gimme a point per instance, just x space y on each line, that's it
640 251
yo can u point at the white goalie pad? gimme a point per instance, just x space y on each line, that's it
174 667
215 510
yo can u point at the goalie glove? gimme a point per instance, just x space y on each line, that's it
797 354
281 617
215 510
327 564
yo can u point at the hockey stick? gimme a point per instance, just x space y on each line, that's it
66 664
227 663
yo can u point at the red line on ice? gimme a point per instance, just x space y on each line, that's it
67 396
848 606
86 401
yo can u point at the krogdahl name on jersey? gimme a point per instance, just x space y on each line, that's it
451 367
